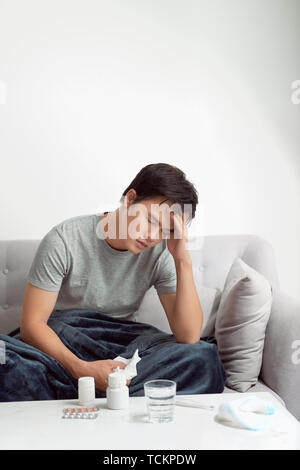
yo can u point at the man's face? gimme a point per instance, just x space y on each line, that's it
148 223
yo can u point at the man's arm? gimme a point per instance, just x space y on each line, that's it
184 311
38 304
183 308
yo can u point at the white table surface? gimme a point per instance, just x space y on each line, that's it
38 425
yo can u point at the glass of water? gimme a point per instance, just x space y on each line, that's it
160 399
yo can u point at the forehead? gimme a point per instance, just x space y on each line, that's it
159 205
159 209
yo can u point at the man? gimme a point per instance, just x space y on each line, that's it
103 264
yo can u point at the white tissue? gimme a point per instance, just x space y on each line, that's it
130 369
248 412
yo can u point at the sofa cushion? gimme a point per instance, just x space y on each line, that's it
241 322
152 312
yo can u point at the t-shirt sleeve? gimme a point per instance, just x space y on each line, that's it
166 280
50 263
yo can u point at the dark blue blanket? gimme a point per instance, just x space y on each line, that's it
30 374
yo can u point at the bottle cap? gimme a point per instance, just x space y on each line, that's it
117 378
86 390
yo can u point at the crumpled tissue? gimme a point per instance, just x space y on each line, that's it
249 412
130 369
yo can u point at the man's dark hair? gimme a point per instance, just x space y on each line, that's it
162 179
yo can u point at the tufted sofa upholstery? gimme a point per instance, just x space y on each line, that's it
212 257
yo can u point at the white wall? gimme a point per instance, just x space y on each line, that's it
95 90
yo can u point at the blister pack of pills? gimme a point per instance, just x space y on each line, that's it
81 413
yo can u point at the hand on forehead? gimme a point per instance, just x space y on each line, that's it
170 215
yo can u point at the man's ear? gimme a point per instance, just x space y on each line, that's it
130 197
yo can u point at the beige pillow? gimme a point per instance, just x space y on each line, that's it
241 322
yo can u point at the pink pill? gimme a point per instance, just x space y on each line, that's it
75 410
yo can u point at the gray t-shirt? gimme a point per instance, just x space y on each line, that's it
89 273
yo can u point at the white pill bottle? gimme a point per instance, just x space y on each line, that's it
117 392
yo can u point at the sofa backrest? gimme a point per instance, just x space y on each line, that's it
212 257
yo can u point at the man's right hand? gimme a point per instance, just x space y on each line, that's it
100 370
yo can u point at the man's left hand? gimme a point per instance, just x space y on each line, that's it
178 246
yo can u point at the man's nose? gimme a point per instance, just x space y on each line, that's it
152 234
